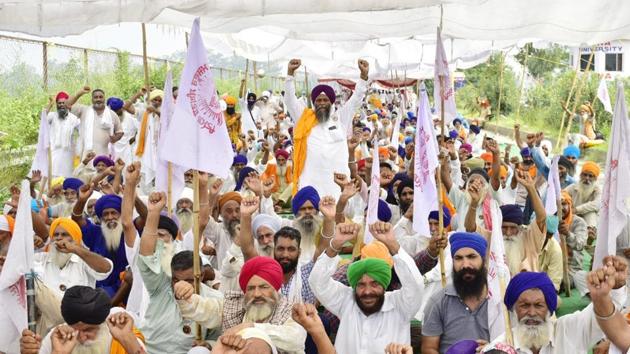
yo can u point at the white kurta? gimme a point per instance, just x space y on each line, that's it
62 147
149 159
327 148
123 149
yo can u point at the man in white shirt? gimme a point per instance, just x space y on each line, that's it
320 145
125 147
62 126
370 317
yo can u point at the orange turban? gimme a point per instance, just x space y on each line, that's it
569 217
230 100
486 156
383 151
235 196
591 167
70 226
377 249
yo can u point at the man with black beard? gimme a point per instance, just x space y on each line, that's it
62 126
459 311
586 194
371 318
320 148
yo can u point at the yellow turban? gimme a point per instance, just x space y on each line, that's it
155 94
230 101
70 226
591 167
57 181
377 249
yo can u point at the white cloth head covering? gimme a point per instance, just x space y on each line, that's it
269 221
187 193
266 94
6 208
548 144
4 224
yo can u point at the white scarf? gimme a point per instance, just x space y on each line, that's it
88 129
295 287
61 130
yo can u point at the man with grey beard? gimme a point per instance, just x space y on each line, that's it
62 126
308 221
532 300
106 239
586 194
183 211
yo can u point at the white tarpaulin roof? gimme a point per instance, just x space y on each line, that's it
330 35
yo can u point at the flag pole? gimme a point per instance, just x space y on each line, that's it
50 176
439 183
196 259
145 61
30 300
506 315
308 97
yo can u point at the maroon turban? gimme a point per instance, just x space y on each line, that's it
265 267
61 95
326 90
282 153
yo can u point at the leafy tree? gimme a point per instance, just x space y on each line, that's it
542 62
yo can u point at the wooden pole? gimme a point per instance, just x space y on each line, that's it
564 114
565 256
439 183
506 315
498 110
254 75
50 176
578 95
308 97
196 238
169 189
86 71
145 61
45 65
520 95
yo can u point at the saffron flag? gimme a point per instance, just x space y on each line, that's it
613 212
375 190
19 262
40 162
442 83
177 171
603 96
425 193
498 272
198 138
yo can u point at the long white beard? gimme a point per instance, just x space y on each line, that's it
112 236
60 259
534 337
100 345
185 220
66 209
513 252
584 192
259 313
166 257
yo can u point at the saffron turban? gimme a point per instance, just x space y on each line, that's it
512 213
326 90
62 95
305 194
7 223
169 225
269 221
115 103
108 201
468 239
70 226
72 183
155 94
592 168
486 156
377 249
265 267
384 213
383 151
467 147
241 177
104 159
282 153
239 159
475 129
433 215
571 151
466 346
531 280
85 304
235 196
230 100
375 268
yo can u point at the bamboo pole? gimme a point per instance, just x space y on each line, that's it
439 183
509 337
565 255
498 110
86 71
308 97
50 176
196 238
45 65
520 95
254 76
564 114
578 95
145 61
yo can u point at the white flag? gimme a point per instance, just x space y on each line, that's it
603 96
19 261
441 70
613 211
375 191
497 271
553 191
425 193
198 138
40 161
177 172
395 141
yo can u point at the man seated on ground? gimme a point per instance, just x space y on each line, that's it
574 229
532 299
586 194
371 318
280 170
459 311
91 326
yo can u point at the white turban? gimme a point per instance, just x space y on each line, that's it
269 221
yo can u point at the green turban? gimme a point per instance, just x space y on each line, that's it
375 268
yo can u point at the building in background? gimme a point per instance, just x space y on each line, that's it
610 58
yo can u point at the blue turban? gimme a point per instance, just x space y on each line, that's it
242 159
72 183
411 115
526 152
468 239
453 134
457 120
326 90
433 215
104 159
401 151
108 201
512 213
531 280
408 140
303 195
571 150
115 103
384 213
475 129
552 224
241 177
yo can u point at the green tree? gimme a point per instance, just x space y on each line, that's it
542 62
